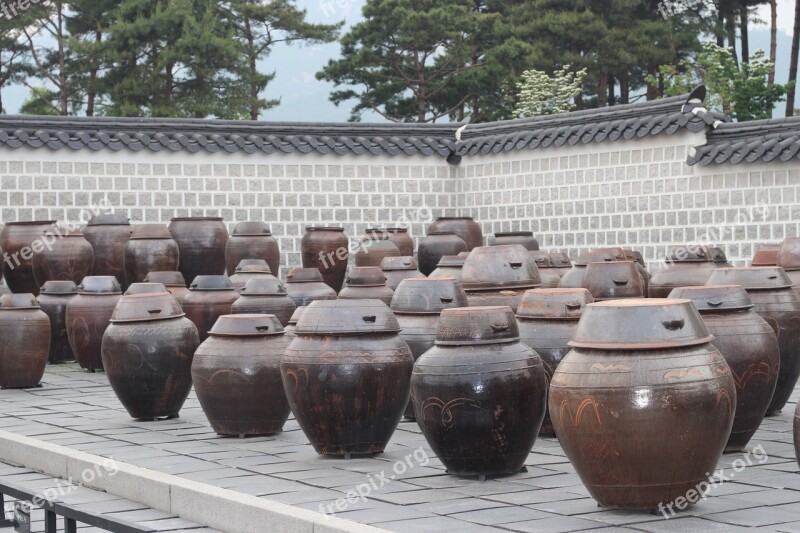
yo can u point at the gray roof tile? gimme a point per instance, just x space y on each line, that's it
749 142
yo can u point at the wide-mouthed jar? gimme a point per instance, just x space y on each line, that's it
305 285
265 297
523 238
20 241
573 278
396 269
327 249
613 280
108 233
401 239
435 246
561 262
686 265
248 269
547 273
88 315
365 283
499 275
53 299
252 240
465 227
151 248
375 246
209 298
25 341
173 280
201 241
67 256
449 266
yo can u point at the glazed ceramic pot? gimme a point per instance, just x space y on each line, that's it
560 262
573 278
396 269
147 355
265 297
770 289
635 256
719 257
237 375
173 280
252 240
401 239
643 404
479 394
797 433
108 233
366 283
88 315
145 288
749 346
685 266
789 260
523 238
766 254
24 341
69 257
209 298
20 241
326 249
201 241
375 245
547 273
449 266
295 318
250 269
347 376
498 275
417 304
150 249
547 321
465 227
613 281
305 285
54 297
435 246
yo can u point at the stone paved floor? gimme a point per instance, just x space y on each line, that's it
79 410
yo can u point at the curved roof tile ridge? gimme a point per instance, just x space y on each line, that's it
748 142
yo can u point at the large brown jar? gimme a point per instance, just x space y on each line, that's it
417 304
173 280
305 285
108 233
295 318
397 269
789 260
265 297
347 376
435 246
643 404
573 278
237 375
68 257
401 239
449 266
327 250
209 298
24 341
150 249
685 266
250 269
365 283
613 281
498 275
21 241
719 257
252 240
375 245
523 238
147 355
749 346
770 289
547 273
201 241
547 321
88 315
479 393
766 254
465 227
54 297
561 262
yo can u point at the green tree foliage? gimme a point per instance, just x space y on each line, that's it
41 101
542 94
15 66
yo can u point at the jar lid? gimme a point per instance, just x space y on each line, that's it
304 275
506 266
251 229
600 255
109 219
99 285
366 277
253 265
765 257
199 219
451 261
150 231
63 231
146 307
18 301
560 260
542 259
477 325
211 283
640 323
341 317
298 312
403 262
789 254
514 234
397 230
554 304
751 278
170 278
32 223
688 253
145 288
246 325
266 286
325 228
613 280
634 255
712 298
59 287
454 218
428 296
717 254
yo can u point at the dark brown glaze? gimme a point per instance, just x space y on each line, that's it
479 393
88 315
449 266
396 269
465 227
24 341
265 297
305 285
347 376
435 246
573 278
789 260
770 289
375 245
766 254
17 239
252 240
749 346
547 273
327 250
614 280
366 283
523 238
401 239
634 255
150 248
209 298
797 433
201 241
237 375
108 234
69 257
173 280
147 354
498 275
295 318
643 404
53 299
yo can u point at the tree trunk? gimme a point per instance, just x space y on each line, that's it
731 27
652 91
62 62
793 61
743 22
773 40
602 89
91 91
612 85
625 89
252 57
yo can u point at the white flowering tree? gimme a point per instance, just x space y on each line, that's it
544 94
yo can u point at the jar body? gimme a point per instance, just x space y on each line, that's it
203 308
67 259
55 306
87 317
279 305
16 240
419 332
433 247
304 293
383 293
252 247
201 243
24 346
143 256
465 227
108 243
327 251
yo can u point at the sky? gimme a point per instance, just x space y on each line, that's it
304 98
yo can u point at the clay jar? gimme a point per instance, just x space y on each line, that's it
547 321
417 304
547 273
375 245
108 233
766 254
24 341
797 433
643 404
560 262
252 240
21 241
250 269
401 239
69 257
789 260
718 257
201 241
147 355
750 348
88 315
770 289
53 299
479 393
347 376
396 269
150 249
295 318
613 281
573 278
305 285
237 375
366 283
209 298
267 297
523 238
685 266
450 266
173 280
498 275
435 246
327 250
465 227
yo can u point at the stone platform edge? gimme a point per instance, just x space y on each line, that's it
218 508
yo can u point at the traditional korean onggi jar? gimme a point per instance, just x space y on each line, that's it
237 375
173 280
53 299
375 245
613 280
573 278
21 241
145 288
88 315
347 376
250 269
547 273
67 257
498 275
561 262
465 227
24 341
209 298
547 321
201 241
637 257
770 289
417 304
766 254
305 285
108 233
366 283
401 239
264 296
150 249
718 257
789 260
396 269
147 355
326 249
435 246
252 240
295 318
686 265
449 266
479 394
523 238
750 348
